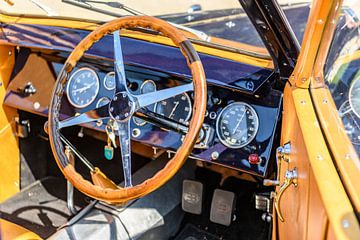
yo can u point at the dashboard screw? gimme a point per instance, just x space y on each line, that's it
111 109
115 98
117 117
214 155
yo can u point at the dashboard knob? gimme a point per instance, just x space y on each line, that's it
254 158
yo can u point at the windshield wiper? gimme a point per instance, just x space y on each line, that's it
86 4
48 10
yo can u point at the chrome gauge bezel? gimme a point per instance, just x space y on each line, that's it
100 100
223 141
104 81
72 78
147 81
188 99
350 98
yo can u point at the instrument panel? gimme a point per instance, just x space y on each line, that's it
235 127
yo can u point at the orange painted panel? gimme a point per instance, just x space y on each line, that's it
9 150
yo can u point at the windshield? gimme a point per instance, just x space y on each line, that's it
212 21
342 70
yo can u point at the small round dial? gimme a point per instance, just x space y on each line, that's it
237 125
177 108
109 81
83 87
102 102
146 87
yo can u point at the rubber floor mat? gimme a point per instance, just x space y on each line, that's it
190 232
40 207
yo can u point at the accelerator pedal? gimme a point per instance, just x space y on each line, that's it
222 207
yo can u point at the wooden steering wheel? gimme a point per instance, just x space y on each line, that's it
121 108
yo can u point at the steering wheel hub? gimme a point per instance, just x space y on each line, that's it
121 107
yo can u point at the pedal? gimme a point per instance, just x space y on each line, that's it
192 196
222 207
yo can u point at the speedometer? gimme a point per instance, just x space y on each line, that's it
83 87
237 125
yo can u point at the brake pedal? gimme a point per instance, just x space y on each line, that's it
192 196
222 207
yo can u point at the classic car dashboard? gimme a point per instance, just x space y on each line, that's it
242 110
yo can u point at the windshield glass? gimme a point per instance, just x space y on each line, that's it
342 70
218 22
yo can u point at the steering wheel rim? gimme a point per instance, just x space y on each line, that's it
102 192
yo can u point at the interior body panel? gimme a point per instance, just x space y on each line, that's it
232 120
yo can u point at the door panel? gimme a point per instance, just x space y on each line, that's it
319 199
295 215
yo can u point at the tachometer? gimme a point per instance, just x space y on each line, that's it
83 87
177 108
237 125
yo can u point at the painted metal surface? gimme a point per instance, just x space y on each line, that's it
9 149
219 71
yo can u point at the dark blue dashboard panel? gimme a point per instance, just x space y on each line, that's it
166 67
219 71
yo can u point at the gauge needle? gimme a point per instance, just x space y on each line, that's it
238 123
173 110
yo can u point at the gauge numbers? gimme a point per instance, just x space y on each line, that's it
177 108
83 87
237 125
109 81
146 87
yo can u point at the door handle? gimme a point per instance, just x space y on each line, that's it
290 179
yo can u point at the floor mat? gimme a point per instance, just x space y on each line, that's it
190 232
40 207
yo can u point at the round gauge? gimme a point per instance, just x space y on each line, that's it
146 87
351 122
83 87
237 125
354 96
102 102
177 108
109 81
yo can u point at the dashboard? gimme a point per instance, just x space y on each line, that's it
243 110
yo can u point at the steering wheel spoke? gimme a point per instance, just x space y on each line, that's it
119 68
125 146
148 99
100 113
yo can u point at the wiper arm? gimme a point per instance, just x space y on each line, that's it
48 10
85 4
